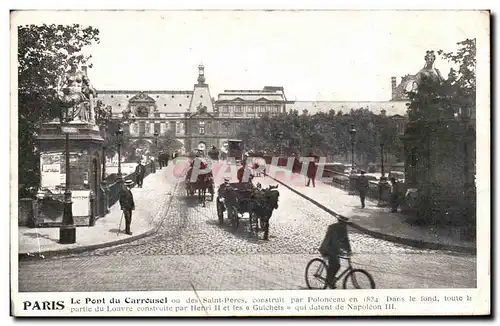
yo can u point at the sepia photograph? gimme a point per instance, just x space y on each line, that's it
250 162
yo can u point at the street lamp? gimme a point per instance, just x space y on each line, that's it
67 231
105 128
119 136
156 138
352 176
153 166
383 185
382 159
352 131
281 142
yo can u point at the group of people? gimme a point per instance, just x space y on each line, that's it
363 186
163 158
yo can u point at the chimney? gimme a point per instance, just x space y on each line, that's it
393 88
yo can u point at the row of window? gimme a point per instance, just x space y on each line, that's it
142 128
239 109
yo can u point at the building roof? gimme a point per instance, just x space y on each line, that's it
165 101
312 107
261 96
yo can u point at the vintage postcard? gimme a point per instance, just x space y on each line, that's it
250 163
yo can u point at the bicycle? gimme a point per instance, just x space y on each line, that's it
354 275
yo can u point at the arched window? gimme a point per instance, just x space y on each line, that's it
142 112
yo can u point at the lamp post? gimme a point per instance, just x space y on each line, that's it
153 166
383 185
352 132
281 142
119 136
382 160
67 231
352 176
103 178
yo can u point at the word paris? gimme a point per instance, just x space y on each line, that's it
253 166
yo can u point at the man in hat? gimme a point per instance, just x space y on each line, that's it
312 168
394 195
127 204
363 186
140 170
214 153
335 243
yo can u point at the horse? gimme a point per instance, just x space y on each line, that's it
264 203
203 183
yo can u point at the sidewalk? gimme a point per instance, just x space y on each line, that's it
151 202
375 221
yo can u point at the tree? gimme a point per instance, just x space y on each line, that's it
44 54
441 137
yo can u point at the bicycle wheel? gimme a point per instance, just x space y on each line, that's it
316 274
358 279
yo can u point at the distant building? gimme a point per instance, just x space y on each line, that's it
191 116
251 103
198 121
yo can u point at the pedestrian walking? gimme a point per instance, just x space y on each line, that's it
166 157
394 195
363 186
127 204
160 159
152 163
214 154
311 171
140 170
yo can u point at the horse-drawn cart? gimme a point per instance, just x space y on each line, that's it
243 197
235 199
202 184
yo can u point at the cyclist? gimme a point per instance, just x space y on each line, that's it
335 244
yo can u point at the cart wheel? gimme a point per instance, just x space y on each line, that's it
220 211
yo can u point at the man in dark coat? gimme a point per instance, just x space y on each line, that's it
127 204
394 195
166 157
363 186
311 171
140 170
335 242
214 154
160 157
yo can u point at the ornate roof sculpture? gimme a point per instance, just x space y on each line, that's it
143 98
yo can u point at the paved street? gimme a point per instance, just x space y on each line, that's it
191 249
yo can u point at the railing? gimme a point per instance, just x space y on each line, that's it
338 179
111 191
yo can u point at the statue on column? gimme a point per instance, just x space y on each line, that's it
428 71
77 94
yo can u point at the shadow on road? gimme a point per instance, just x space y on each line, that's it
242 232
36 235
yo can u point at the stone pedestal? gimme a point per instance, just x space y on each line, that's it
85 149
384 192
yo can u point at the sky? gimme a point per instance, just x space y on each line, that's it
314 55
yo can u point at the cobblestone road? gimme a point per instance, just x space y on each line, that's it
192 248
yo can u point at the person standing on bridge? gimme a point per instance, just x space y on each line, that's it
214 154
311 171
140 170
363 186
127 204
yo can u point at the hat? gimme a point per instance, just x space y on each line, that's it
129 183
